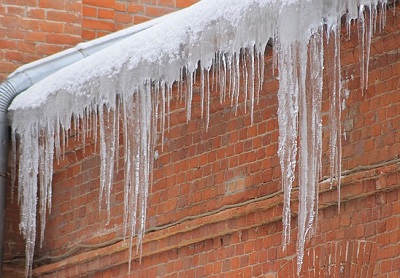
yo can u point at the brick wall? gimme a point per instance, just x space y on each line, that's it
33 29
30 30
104 17
215 208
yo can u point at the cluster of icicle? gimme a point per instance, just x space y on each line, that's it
223 40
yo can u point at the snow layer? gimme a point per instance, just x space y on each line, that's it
133 80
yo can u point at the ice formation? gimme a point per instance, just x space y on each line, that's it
133 80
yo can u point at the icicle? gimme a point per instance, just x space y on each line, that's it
103 155
84 130
27 191
180 85
189 97
63 142
111 150
208 100
216 69
262 72
220 79
231 76
252 84
46 153
275 61
117 116
57 140
305 175
335 115
223 79
316 54
236 82
14 155
202 86
127 112
95 127
365 32
310 142
287 120
163 111
245 77
169 98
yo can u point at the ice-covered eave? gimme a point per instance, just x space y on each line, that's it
191 35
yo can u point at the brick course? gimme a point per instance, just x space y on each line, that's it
215 207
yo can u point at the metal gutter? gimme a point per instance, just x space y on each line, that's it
26 76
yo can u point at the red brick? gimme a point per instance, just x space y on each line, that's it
73 29
51 27
137 19
166 3
52 4
135 8
120 6
14 56
89 11
20 2
98 25
7 44
7 67
156 11
123 18
88 34
36 13
73 6
184 3
106 13
103 3
26 47
62 39
15 10
62 16
10 22
35 37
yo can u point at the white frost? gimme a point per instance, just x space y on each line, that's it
133 80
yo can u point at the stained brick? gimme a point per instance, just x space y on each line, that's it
62 16
98 25
26 47
156 11
123 18
62 39
51 27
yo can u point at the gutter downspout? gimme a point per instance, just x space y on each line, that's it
26 76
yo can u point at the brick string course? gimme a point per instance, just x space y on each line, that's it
208 214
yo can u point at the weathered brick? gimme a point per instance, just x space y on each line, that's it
98 25
62 16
